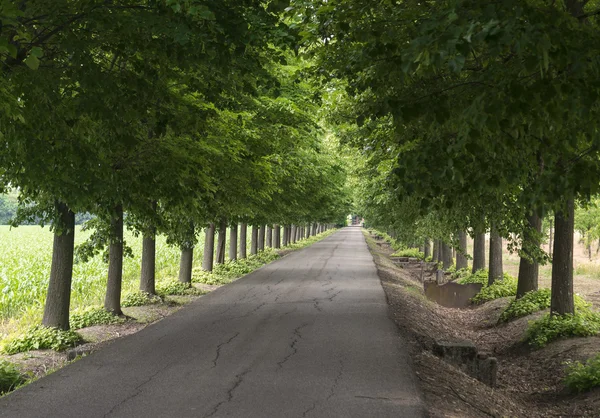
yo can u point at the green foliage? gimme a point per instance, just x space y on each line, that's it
583 377
409 252
461 274
93 316
499 289
583 323
480 276
231 270
175 287
10 377
535 301
139 299
530 302
40 337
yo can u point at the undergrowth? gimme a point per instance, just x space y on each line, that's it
499 289
93 316
393 243
10 377
534 301
40 337
177 288
231 270
583 377
409 252
583 323
139 299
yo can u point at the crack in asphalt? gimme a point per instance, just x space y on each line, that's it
376 398
332 389
239 380
330 298
296 338
218 354
137 390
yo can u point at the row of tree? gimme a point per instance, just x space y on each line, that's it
164 116
469 116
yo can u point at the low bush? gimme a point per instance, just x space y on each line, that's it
93 316
461 274
175 287
480 276
409 252
499 289
10 377
532 302
583 377
583 323
231 270
40 337
139 299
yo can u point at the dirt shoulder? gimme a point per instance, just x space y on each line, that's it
528 381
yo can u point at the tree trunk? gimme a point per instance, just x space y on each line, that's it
478 252
495 270
314 229
243 239
550 241
112 300
277 236
589 244
529 270
561 301
185 265
221 242
436 251
254 240
269 237
427 248
148 276
261 238
446 255
233 235
285 235
209 248
293 234
461 254
58 298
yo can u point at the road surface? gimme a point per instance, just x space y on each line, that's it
306 336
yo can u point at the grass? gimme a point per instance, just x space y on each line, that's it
25 258
10 377
588 269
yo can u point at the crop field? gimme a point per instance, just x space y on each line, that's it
25 258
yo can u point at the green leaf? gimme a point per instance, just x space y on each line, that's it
32 62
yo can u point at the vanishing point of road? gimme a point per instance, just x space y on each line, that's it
306 336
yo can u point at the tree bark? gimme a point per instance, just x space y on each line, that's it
550 241
112 300
233 235
293 234
461 254
185 265
221 242
314 229
436 251
254 240
446 253
529 270
261 238
561 301
427 248
495 270
269 237
243 239
58 298
277 236
285 235
148 276
209 248
478 252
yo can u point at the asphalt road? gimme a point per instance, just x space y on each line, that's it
306 336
